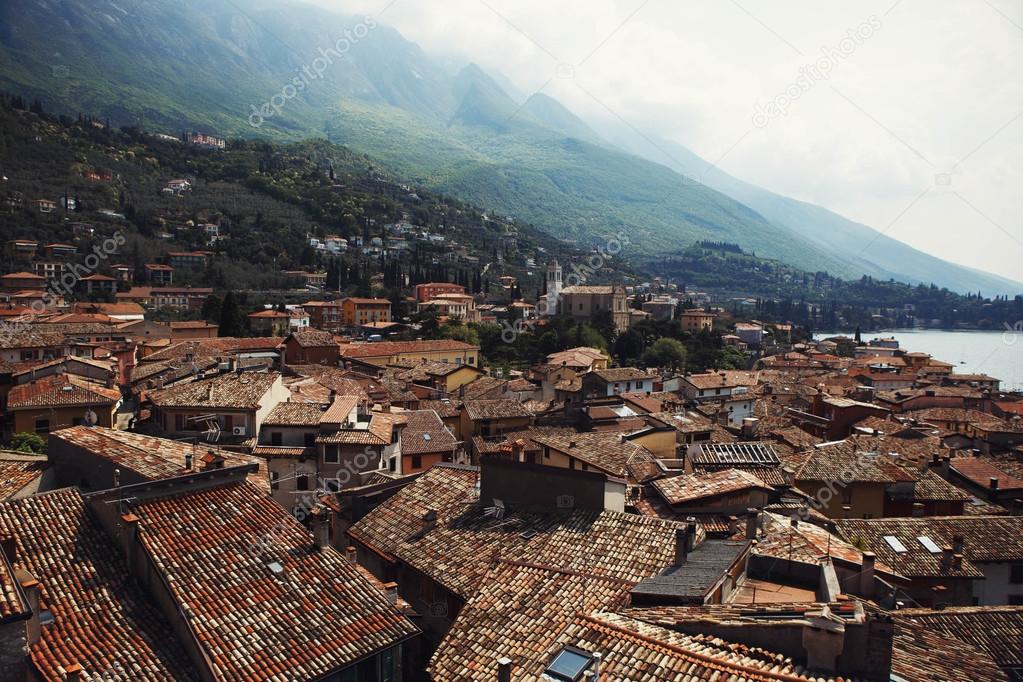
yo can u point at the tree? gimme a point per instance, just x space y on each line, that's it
603 321
231 323
459 332
28 442
211 308
665 352
628 347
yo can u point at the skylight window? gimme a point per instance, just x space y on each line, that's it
569 665
275 567
929 544
427 436
895 544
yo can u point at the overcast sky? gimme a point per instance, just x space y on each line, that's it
916 128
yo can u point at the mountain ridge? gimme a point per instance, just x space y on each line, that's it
533 160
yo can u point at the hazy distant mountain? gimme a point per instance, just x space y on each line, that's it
221 65
865 249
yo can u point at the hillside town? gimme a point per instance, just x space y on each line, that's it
335 491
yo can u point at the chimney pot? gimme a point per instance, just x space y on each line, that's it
946 557
504 666
752 521
321 528
867 575
681 545
957 543
429 519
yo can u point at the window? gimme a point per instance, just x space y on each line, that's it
275 438
417 462
331 454
1016 573
302 482
569 665
1016 599
310 440
847 495
42 426
275 483
895 544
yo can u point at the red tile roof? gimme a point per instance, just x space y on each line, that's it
102 620
389 348
689 488
219 548
234 390
60 390
150 457
424 432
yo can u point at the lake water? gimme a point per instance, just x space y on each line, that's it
998 354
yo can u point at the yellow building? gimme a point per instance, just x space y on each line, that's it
383 353
356 311
61 400
696 320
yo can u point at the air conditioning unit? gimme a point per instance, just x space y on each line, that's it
238 431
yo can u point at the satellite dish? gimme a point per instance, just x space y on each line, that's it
91 419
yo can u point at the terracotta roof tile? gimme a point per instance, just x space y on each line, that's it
985 539
995 630
61 390
102 621
233 390
688 488
317 615
425 432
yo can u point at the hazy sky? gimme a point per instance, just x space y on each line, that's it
914 125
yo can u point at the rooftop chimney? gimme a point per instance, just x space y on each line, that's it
946 557
73 672
994 483
504 666
681 545
752 522
429 519
351 554
391 591
957 543
321 527
867 575
188 461
918 509
31 587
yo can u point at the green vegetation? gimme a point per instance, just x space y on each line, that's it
773 291
266 201
178 67
28 442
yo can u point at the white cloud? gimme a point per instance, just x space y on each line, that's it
940 78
